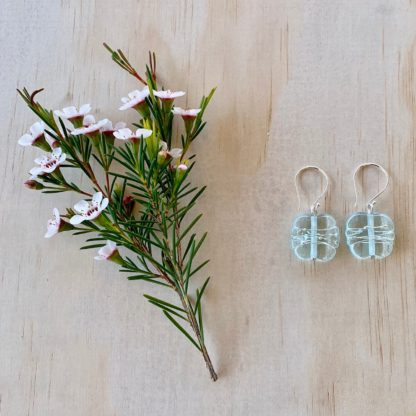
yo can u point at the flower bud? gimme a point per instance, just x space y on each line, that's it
181 171
163 157
182 167
128 203
32 184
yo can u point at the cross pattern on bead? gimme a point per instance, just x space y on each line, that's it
315 237
370 235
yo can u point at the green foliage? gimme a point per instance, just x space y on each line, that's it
150 202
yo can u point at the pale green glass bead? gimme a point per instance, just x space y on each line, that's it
370 235
315 237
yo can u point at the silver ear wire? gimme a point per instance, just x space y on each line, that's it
372 201
314 207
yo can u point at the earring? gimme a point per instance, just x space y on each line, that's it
370 234
314 236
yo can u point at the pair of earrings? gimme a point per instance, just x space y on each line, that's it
316 236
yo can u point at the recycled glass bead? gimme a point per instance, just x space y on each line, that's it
314 237
370 235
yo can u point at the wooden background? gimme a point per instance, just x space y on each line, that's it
326 82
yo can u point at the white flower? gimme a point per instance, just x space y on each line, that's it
168 94
48 163
173 153
71 113
38 137
53 224
37 131
104 253
190 113
90 126
89 210
134 98
109 129
127 134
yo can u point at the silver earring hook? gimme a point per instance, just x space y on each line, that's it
314 207
372 201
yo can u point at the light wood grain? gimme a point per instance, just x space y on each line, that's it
299 82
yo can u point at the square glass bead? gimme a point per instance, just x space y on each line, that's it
314 237
370 235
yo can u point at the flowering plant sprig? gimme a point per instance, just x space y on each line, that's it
138 212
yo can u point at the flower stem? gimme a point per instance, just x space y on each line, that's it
177 283
187 306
